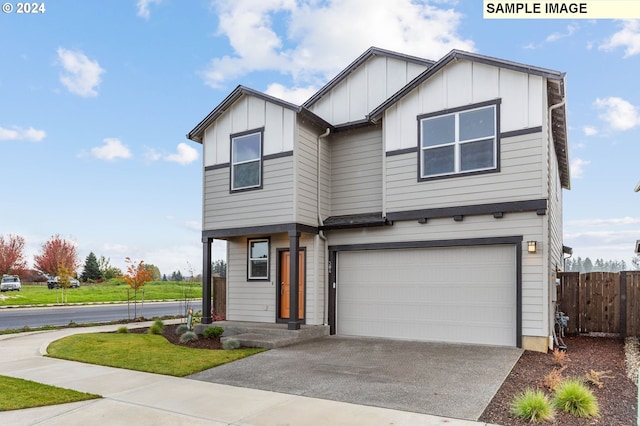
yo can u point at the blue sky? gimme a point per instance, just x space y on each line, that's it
96 98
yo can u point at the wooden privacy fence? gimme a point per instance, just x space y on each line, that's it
601 302
219 294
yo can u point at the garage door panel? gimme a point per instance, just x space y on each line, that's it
457 294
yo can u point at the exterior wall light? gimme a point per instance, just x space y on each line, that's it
531 246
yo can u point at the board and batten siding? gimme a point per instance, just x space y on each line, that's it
527 224
249 113
256 300
356 172
365 88
519 178
463 83
273 204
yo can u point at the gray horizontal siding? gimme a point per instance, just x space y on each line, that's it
272 204
519 178
306 177
356 172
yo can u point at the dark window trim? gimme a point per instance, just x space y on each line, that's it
264 158
268 240
494 102
515 240
261 159
279 277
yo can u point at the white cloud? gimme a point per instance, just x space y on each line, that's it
577 167
143 7
295 95
323 37
151 154
619 113
590 130
627 220
111 150
185 155
81 75
571 29
20 134
628 37
194 225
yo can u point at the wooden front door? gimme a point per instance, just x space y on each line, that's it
285 265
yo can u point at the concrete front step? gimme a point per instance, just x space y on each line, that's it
265 335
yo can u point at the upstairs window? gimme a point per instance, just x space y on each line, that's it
459 141
246 161
258 267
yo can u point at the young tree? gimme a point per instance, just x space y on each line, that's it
137 276
64 280
55 253
91 270
12 259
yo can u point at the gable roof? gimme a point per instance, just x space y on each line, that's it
198 131
369 53
555 98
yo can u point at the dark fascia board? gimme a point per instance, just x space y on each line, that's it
555 96
197 132
369 53
257 230
477 209
457 55
353 221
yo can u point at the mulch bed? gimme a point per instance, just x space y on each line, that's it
617 398
169 333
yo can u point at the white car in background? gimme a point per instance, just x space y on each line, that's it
10 283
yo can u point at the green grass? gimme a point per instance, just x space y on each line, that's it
142 352
18 394
103 292
575 398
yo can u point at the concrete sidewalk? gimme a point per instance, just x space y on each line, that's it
131 397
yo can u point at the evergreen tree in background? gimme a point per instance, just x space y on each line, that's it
91 270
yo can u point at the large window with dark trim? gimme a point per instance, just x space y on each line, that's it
246 161
458 141
258 259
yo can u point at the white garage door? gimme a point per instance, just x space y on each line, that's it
457 294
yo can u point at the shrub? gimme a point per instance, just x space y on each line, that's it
182 328
157 327
213 331
595 377
559 357
553 379
532 405
188 336
575 398
123 330
231 343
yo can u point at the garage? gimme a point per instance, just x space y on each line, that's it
453 294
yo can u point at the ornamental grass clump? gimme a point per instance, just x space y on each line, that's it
157 327
182 328
123 330
188 336
533 406
231 343
573 397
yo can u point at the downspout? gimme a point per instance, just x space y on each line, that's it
551 288
321 235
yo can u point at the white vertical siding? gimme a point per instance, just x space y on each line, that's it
463 83
365 88
249 113
356 172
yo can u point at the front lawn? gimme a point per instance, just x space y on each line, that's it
142 352
103 292
18 394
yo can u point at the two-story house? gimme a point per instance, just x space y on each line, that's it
423 200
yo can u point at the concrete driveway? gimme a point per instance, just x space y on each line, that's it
447 380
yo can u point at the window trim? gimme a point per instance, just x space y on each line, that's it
496 104
260 160
249 258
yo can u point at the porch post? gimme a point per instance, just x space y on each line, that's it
206 280
294 248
